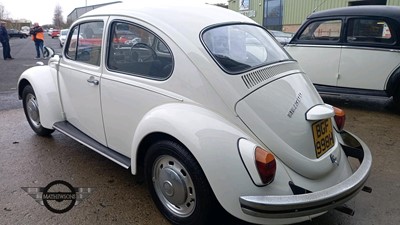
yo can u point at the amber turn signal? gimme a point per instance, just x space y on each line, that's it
340 118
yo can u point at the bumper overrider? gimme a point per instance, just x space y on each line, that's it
311 203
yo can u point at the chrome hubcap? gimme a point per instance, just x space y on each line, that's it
32 110
174 186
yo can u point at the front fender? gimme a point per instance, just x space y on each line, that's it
43 80
213 141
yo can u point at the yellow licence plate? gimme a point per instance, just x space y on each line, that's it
323 136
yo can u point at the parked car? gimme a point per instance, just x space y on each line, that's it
49 31
352 50
55 33
25 30
282 37
16 33
205 120
63 36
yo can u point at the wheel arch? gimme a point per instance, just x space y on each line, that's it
44 84
145 144
393 82
21 85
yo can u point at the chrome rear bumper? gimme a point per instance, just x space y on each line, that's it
291 206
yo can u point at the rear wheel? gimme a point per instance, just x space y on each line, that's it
31 109
177 184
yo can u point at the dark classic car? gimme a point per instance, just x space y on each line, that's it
352 50
16 33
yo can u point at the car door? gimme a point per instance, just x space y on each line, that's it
79 78
317 48
138 64
368 57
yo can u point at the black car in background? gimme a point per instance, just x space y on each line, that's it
16 33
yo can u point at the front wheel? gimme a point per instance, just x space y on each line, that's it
177 184
31 109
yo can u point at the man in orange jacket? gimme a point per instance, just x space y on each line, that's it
38 38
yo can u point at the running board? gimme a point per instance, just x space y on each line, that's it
72 132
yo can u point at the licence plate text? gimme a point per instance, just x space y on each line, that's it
323 136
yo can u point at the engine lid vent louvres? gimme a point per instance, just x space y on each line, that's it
255 77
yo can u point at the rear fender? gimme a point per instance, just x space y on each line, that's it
203 132
213 141
43 80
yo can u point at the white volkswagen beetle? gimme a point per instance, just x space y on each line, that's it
206 105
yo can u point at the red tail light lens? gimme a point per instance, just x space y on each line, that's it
266 165
340 118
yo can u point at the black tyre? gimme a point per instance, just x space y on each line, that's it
46 52
31 110
177 184
396 97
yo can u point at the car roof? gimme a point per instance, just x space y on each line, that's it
184 16
365 10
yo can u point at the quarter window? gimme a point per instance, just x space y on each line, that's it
135 50
328 30
369 31
84 43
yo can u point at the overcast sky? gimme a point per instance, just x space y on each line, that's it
42 10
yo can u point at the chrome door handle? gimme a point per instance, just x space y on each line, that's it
93 81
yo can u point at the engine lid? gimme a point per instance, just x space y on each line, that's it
290 118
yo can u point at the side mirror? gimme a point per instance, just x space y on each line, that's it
48 51
54 61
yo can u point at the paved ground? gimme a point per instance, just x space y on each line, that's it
30 161
23 50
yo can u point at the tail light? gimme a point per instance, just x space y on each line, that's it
340 118
266 165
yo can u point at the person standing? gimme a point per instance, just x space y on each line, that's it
38 38
4 39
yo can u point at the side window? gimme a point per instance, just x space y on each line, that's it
135 50
84 43
70 50
328 30
374 31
